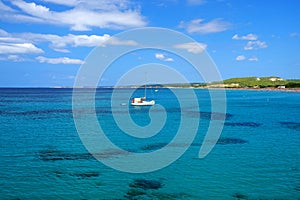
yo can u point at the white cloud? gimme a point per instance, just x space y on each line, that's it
13 58
251 45
19 48
32 8
253 42
250 36
192 47
3 33
64 2
63 60
197 26
253 58
159 56
162 57
85 40
3 7
240 58
103 4
169 59
117 42
61 43
81 15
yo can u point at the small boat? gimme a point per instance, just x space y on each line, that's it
142 101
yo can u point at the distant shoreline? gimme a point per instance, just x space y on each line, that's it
249 89
166 87
263 89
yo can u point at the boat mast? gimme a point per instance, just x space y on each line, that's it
145 84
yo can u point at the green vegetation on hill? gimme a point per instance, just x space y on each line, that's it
293 84
245 82
255 82
181 85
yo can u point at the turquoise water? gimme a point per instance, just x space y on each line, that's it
257 157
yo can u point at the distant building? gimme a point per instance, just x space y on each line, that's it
275 79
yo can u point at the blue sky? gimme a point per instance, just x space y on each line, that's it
44 42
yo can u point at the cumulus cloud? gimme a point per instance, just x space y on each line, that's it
61 43
240 58
198 26
162 57
96 4
85 40
192 47
159 56
252 45
63 60
253 58
250 36
117 42
19 48
13 58
253 42
81 15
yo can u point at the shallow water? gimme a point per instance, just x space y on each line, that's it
257 156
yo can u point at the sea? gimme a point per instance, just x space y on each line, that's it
42 155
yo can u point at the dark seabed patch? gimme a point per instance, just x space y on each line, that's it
141 189
224 141
238 195
170 196
85 175
221 141
39 114
78 175
208 115
134 193
291 125
58 174
146 184
153 147
297 188
247 124
56 155
231 141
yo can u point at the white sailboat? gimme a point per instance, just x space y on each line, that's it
142 101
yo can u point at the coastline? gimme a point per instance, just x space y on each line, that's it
245 88
261 89
166 87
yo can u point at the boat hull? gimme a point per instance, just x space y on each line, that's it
143 103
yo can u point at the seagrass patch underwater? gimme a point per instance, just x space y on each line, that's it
256 157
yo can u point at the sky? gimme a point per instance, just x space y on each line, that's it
43 43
